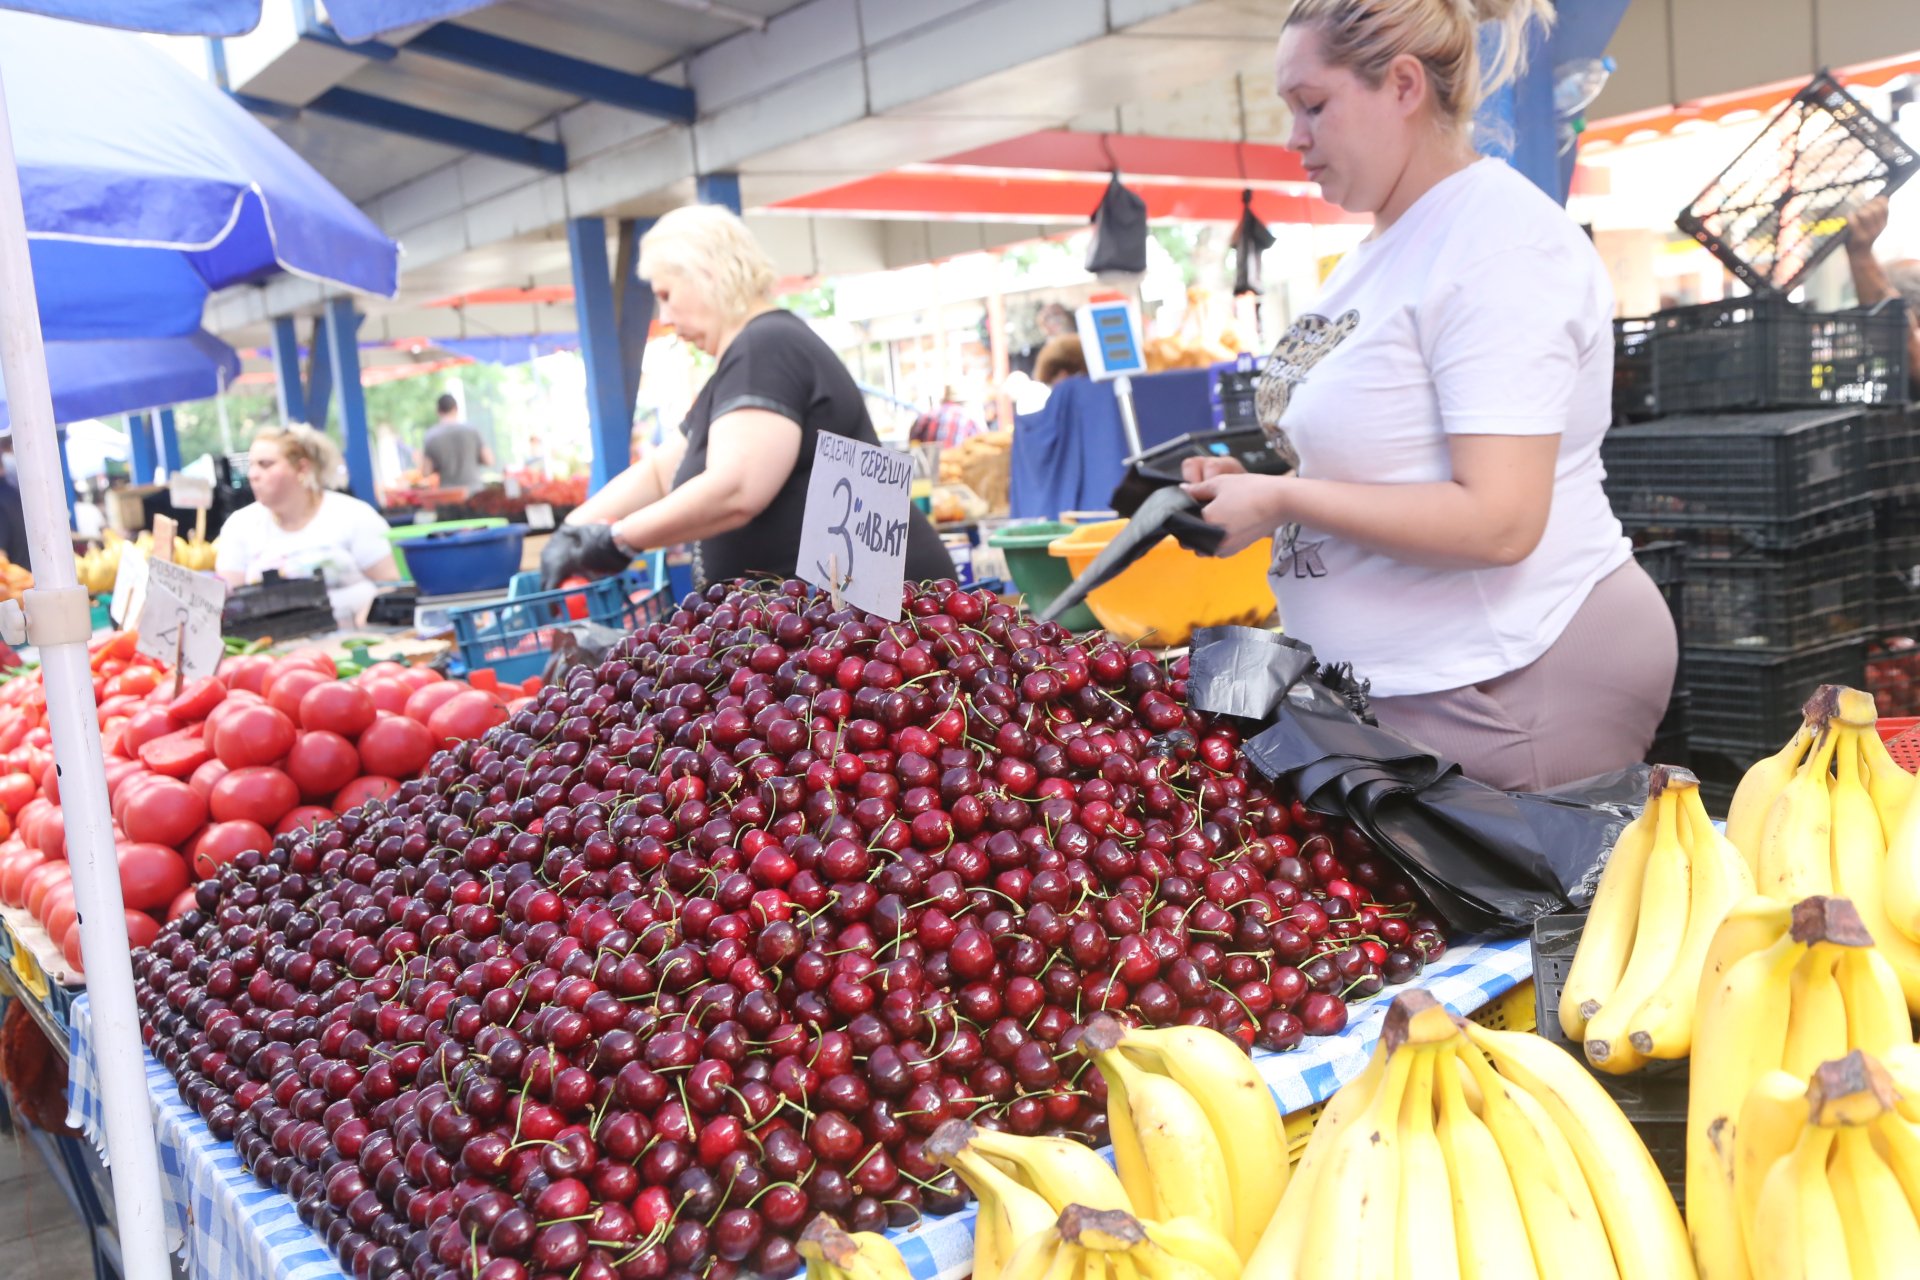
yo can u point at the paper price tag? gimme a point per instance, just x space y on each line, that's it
129 586
539 516
180 621
189 493
853 538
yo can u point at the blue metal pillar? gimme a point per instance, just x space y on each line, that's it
169 442
609 417
320 375
286 370
343 344
140 437
633 307
718 188
66 474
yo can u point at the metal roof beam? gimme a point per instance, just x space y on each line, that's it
417 122
533 65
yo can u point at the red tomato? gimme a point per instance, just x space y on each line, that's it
70 947
61 911
113 738
197 699
305 818
427 698
50 782
15 790
389 695
378 671
178 754
139 681
253 735
151 875
319 659
142 929
465 715
246 674
396 747
168 812
361 790
40 880
117 705
181 905
53 834
13 875
236 700
145 725
119 772
285 688
419 677
576 604
225 841
518 704
205 776
27 822
255 793
321 762
338 708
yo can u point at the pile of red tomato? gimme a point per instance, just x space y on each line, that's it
263 747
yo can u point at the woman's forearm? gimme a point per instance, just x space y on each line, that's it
1441 525
706 505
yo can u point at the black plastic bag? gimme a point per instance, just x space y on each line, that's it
1119 232
1250 239
1488 860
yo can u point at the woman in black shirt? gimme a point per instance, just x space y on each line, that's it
735 483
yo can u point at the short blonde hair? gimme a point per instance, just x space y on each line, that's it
1364 36
710 246
299 443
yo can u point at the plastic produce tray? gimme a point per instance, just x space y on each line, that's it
1654 1099
514 636
1766 353
1781 477
1893 449
1896 536
1634 398
1748 703
1743 596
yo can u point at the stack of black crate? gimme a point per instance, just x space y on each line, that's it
1749 432
1893 465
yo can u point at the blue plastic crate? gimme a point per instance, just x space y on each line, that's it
514 636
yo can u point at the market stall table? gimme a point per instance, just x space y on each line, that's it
233 1226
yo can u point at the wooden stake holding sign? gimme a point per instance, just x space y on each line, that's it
853 537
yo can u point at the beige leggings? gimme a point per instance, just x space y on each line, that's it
1589 705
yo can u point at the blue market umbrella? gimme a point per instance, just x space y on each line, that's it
126 375
355 20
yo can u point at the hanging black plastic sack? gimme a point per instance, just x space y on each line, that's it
1250 239
1119 232
1488 860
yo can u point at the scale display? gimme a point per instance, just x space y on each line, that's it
1110 338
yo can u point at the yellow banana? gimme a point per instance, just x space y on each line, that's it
1740 1033
1136 1176
1486 1208
1664 898
1877 1020
1759 787
1899 1143
1771 1120
1817 1018
1061 1170
1356 1197
1240 1107
1798 1234
1883 1238
1902 1064
1607 939
1185 1164
1635 1206
1196 1242
1010 1212
1891 786
832 1254
1862 865
1718 880
1796 849
1426 1241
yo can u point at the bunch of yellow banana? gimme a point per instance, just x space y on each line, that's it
1829 1176
1196 1133
832 1254
97 567
1022 1184
1785 989
1827 814
1466 1152
1101 1244
1667 885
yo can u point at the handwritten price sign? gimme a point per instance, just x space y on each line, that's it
180 618
853 539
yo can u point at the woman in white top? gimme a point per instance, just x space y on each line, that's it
301 529
1446 531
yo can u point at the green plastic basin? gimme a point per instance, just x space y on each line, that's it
1039 575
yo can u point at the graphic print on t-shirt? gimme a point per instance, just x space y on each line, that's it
1305 344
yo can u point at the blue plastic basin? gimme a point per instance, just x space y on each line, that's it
470 560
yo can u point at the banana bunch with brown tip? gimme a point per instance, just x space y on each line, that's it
1828 814
1828 1175
1101 1244
1467 1152
832 1254
1785 989
1668 883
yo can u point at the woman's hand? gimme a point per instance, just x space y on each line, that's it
1247 506
1199 468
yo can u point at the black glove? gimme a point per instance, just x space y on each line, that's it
584 550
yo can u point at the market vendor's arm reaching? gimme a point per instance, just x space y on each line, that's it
734 483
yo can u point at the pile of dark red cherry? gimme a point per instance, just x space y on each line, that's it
713 937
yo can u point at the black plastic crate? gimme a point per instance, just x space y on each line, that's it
1653 1099
1897 561
1747 703
1753 597
1893 450
1766 353
1672 741
1634 399
1780 476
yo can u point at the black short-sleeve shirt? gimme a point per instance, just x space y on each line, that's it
777 363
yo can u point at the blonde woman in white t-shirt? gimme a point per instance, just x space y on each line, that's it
1446 531
299 528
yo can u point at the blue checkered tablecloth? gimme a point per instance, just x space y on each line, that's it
233 1228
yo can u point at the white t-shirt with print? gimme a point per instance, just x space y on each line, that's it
1483 311
345 538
